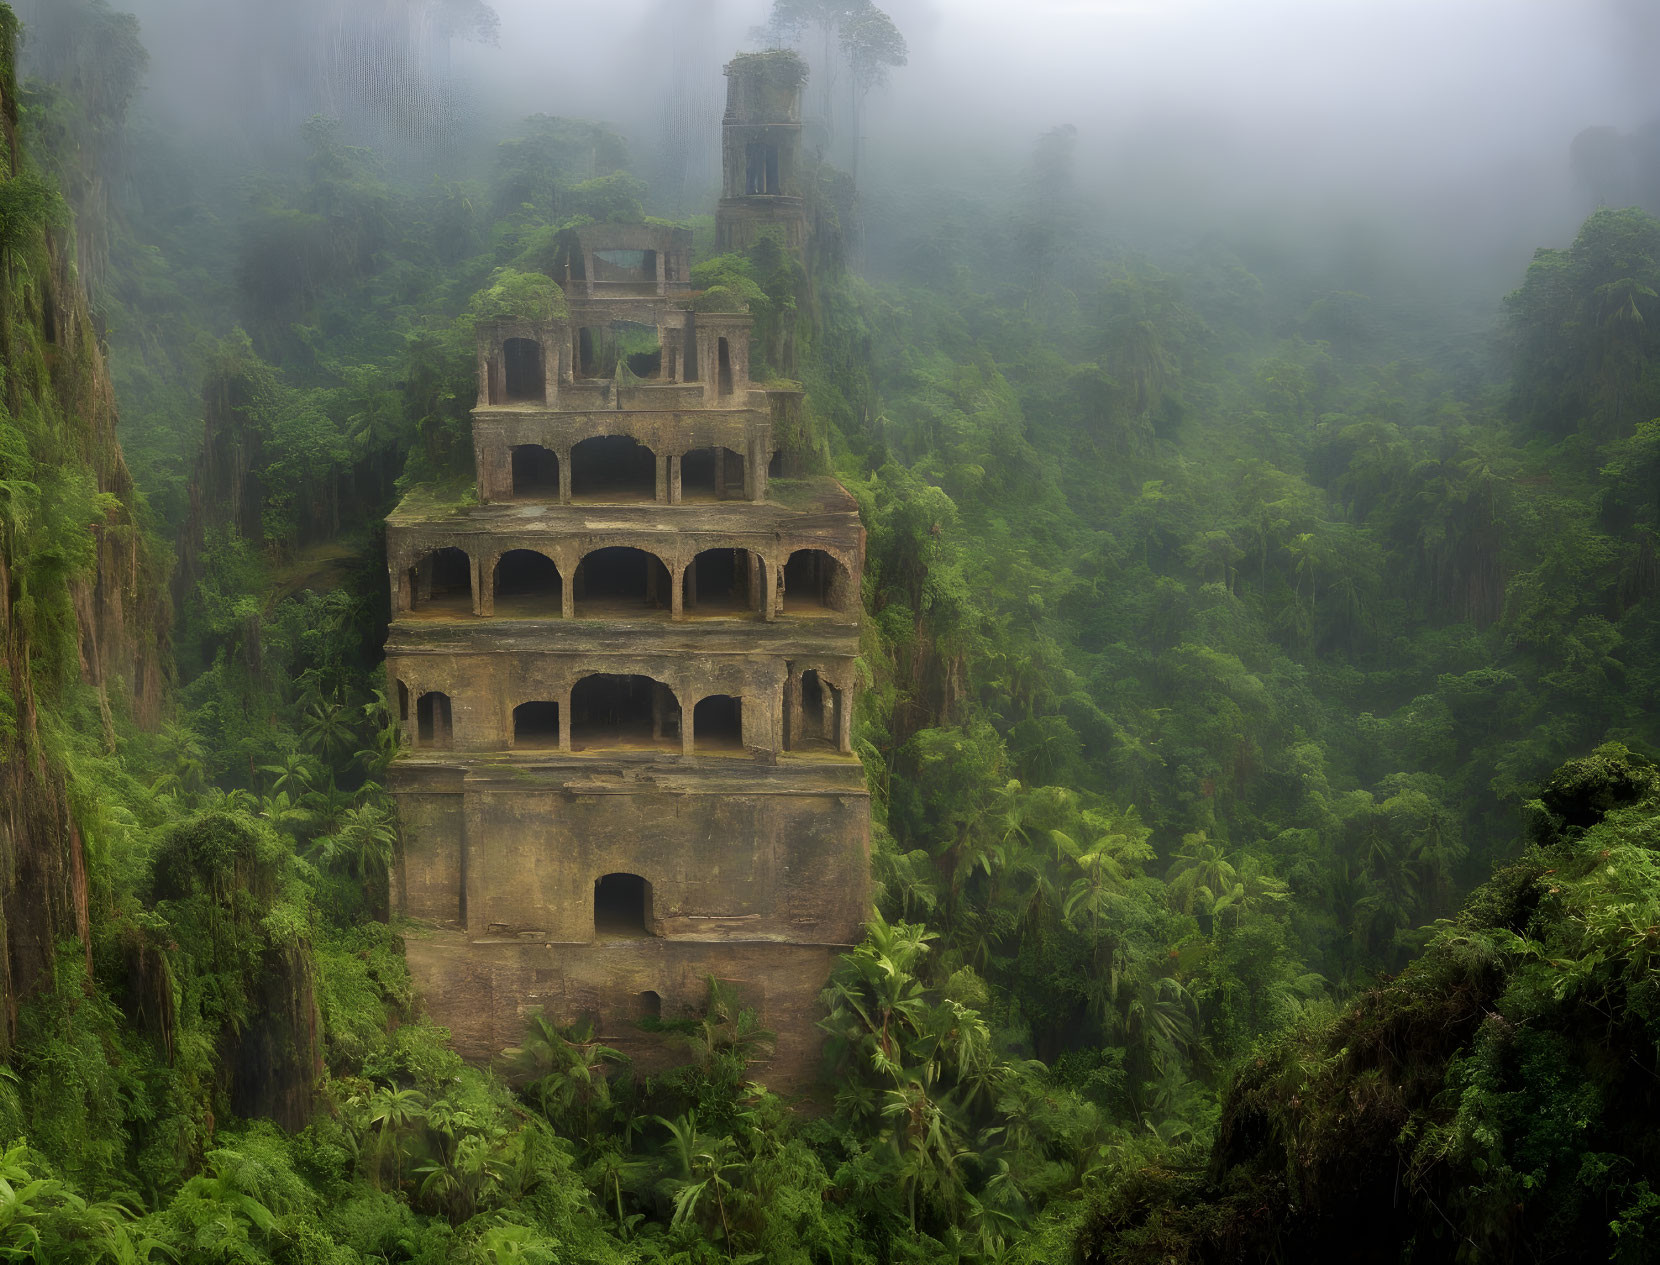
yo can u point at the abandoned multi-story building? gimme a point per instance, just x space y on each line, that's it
625 676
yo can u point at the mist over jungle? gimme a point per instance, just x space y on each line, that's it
1251 412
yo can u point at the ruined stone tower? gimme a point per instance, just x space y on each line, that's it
625 677
761 164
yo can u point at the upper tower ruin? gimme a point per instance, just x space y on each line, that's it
761 165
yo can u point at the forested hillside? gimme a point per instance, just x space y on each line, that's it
1227 629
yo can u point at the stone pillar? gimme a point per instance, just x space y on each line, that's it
564 476
757 598
565 721
475 869
780 738
487 584
844 721
755 471
400 589
674 480
686 736
588 271
661 494
483 376
662 272
691 584
567 593
677 605
720 474
475 576
793 717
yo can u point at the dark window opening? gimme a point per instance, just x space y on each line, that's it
613 468
536 725
622 582
814 582
442 582
622 906
535 472
648 1005
775 467
812 705
601 348
717 724
724 354
712 474
625 267
814 722
403 702
761 168
688 355
528 586
611 711
646 364
522 369
718 582
432 721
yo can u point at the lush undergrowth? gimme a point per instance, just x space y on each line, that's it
1217 643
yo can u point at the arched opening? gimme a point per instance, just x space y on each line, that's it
432 721
648 1005
722 582
614 712
712 474
441 584
613 468
522 370
528 586
621 583
536 726
724 366
622 907
718 724
813 714
815 584
535 473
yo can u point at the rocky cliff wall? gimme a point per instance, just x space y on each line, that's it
82 599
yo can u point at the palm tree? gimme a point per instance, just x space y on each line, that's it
1200 875
391 1113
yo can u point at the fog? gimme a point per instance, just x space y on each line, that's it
1445 123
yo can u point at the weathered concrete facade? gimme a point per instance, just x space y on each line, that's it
625 679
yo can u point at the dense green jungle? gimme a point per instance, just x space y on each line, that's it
1257 701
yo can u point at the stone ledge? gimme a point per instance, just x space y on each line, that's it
747 635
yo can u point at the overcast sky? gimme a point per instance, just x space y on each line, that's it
1458 112
1469 101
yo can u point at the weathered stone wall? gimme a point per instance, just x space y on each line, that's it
485 992
758 875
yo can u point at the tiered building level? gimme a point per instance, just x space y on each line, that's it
625 677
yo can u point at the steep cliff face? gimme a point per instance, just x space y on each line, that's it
82 601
